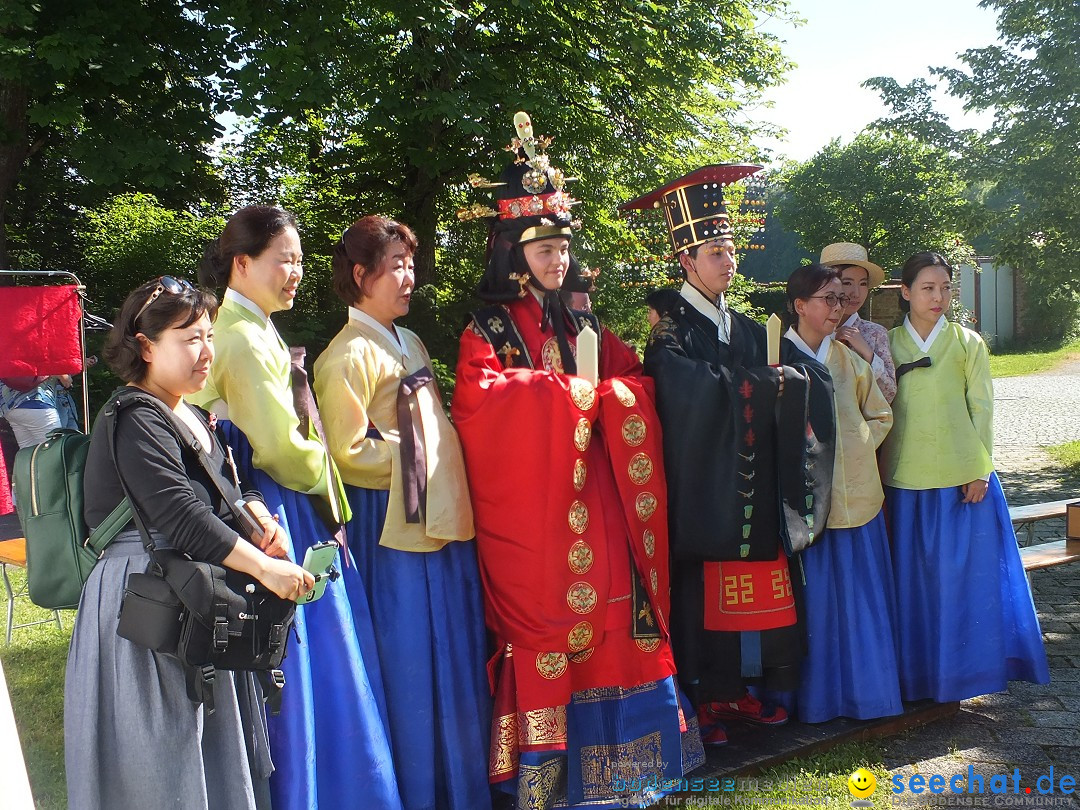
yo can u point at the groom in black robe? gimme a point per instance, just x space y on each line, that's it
748 477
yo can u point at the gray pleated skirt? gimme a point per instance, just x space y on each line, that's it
132 738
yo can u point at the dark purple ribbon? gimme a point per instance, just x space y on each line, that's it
308 414
413 460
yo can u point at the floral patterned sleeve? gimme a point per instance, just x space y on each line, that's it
884 370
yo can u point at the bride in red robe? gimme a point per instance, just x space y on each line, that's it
568 492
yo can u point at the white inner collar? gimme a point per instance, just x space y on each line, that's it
702 304
361 316
246 303
820 354
924 345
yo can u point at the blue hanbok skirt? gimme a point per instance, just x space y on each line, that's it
330 745
428 613
967 623
851 664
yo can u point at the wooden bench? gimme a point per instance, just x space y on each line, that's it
13 552
1025 517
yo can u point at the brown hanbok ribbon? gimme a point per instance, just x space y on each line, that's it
308 414
413 459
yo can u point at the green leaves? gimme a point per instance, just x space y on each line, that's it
892 194
1027 165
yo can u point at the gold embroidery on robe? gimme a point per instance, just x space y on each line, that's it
550 357
542 726
581 598
580 636
582 434
640 469
646 504
602 765
540 785
503 757
612 692
633 430
580 472
647 644
649 539
623 394
582 393
551 665
579 517
580 558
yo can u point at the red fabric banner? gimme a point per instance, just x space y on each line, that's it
39 332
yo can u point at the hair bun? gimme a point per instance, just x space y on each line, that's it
212 269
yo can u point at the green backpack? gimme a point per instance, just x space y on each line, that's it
60 550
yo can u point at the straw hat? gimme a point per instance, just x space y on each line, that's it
841 253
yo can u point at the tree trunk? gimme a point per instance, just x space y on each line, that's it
13 150
423 220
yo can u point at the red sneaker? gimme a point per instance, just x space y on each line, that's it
715 735
748 709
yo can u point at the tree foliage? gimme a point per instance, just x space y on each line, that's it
132 238
391 110
119 94
891 194
1027 161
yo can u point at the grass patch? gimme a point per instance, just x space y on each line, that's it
1067 455
34 668
819 782
1015 363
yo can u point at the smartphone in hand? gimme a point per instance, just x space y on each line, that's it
319 561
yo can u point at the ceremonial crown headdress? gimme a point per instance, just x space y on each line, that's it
531 204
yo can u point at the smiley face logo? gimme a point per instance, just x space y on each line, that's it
861 783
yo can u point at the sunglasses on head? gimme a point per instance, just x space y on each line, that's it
173 286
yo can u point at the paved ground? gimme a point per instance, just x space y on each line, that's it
1030 728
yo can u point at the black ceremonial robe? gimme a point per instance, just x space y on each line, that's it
748 451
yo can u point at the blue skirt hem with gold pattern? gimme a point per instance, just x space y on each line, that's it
624 749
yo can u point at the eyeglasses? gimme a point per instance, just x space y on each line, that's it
832 299
173 286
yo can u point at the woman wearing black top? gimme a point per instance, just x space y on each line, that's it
132 737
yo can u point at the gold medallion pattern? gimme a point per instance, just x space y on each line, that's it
640 469
583 656
581 597
646 505
649 539
551 665
579 474
583 394
623 394
582 434
653 580
633 430
647 644
550 357
580 636
579 516
580 558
